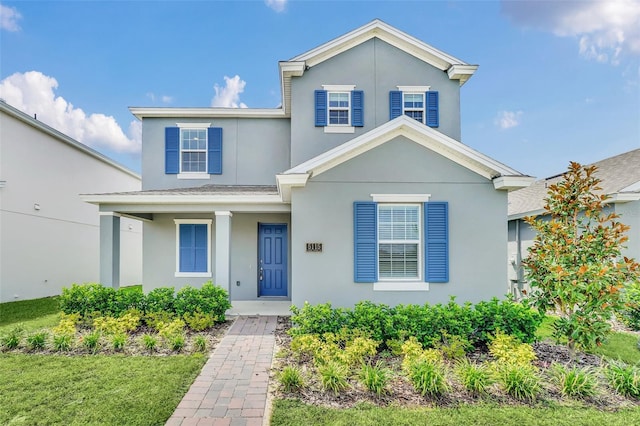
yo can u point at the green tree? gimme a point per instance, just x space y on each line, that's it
575 266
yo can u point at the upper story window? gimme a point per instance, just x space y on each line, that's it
193 150
413 105
417 102
339 108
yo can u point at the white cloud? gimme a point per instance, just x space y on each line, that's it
9 17
164 98
34 93
605 29
229 95
277 5
508 119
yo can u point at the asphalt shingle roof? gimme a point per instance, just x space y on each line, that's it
616 173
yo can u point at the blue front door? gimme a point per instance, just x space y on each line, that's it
272 259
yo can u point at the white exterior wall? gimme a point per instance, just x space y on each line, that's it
43 250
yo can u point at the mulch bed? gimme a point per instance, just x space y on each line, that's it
134 345
402 393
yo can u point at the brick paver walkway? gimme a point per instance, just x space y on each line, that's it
232 386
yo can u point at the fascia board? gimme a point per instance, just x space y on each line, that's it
385 32
288 181
623 197
511 183
151 112
522 215
179 199
405 126
634 187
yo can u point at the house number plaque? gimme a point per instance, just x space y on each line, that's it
314 247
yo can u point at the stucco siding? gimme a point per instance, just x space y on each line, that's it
377 68
323 212
246 143
160 252
630 215
49 237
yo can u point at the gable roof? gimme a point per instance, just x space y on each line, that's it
620 177
503 177
39 125
296 66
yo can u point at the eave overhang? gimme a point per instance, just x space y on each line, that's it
161 112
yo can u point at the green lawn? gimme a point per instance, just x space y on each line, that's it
93 390
292 412
86 390
619 346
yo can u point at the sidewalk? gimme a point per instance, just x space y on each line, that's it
232 386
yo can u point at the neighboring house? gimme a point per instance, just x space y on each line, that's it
49 237
356 188
620 177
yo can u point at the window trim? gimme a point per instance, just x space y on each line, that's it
415 90
412 284
195 126
419 242
178 222
339 88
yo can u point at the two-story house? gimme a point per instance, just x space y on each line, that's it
356 188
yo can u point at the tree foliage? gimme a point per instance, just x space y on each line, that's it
575 266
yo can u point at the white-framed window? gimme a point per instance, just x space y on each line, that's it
193 150
413 105
399 242
193 247
339 107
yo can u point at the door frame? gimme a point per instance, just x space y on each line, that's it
285 257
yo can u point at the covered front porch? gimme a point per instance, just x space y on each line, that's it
236 236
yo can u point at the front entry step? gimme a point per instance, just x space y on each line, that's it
260 307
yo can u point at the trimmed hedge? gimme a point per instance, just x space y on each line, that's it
91 299
475 323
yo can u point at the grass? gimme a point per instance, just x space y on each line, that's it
89 390
86 390
292 412
618 346
35 314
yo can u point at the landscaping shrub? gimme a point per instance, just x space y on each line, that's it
150 342
475 378
37 340
624 379
427 323
333 376
520 381
630 312
428 377
118 341
160 300
110 325
62 342
13 338
86 298
215 300
508 349
317 319
127 299
91 341
291 378
67 324
575 382
199 321
200 343
375 378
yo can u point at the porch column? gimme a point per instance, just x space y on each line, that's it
223 249
110 249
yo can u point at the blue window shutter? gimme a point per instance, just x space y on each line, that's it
395 104
436 236
214 166
172 150
193 248
365 242
357 108
433 119
321 108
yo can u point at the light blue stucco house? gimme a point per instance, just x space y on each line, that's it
357 187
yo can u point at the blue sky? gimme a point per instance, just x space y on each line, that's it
558 81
